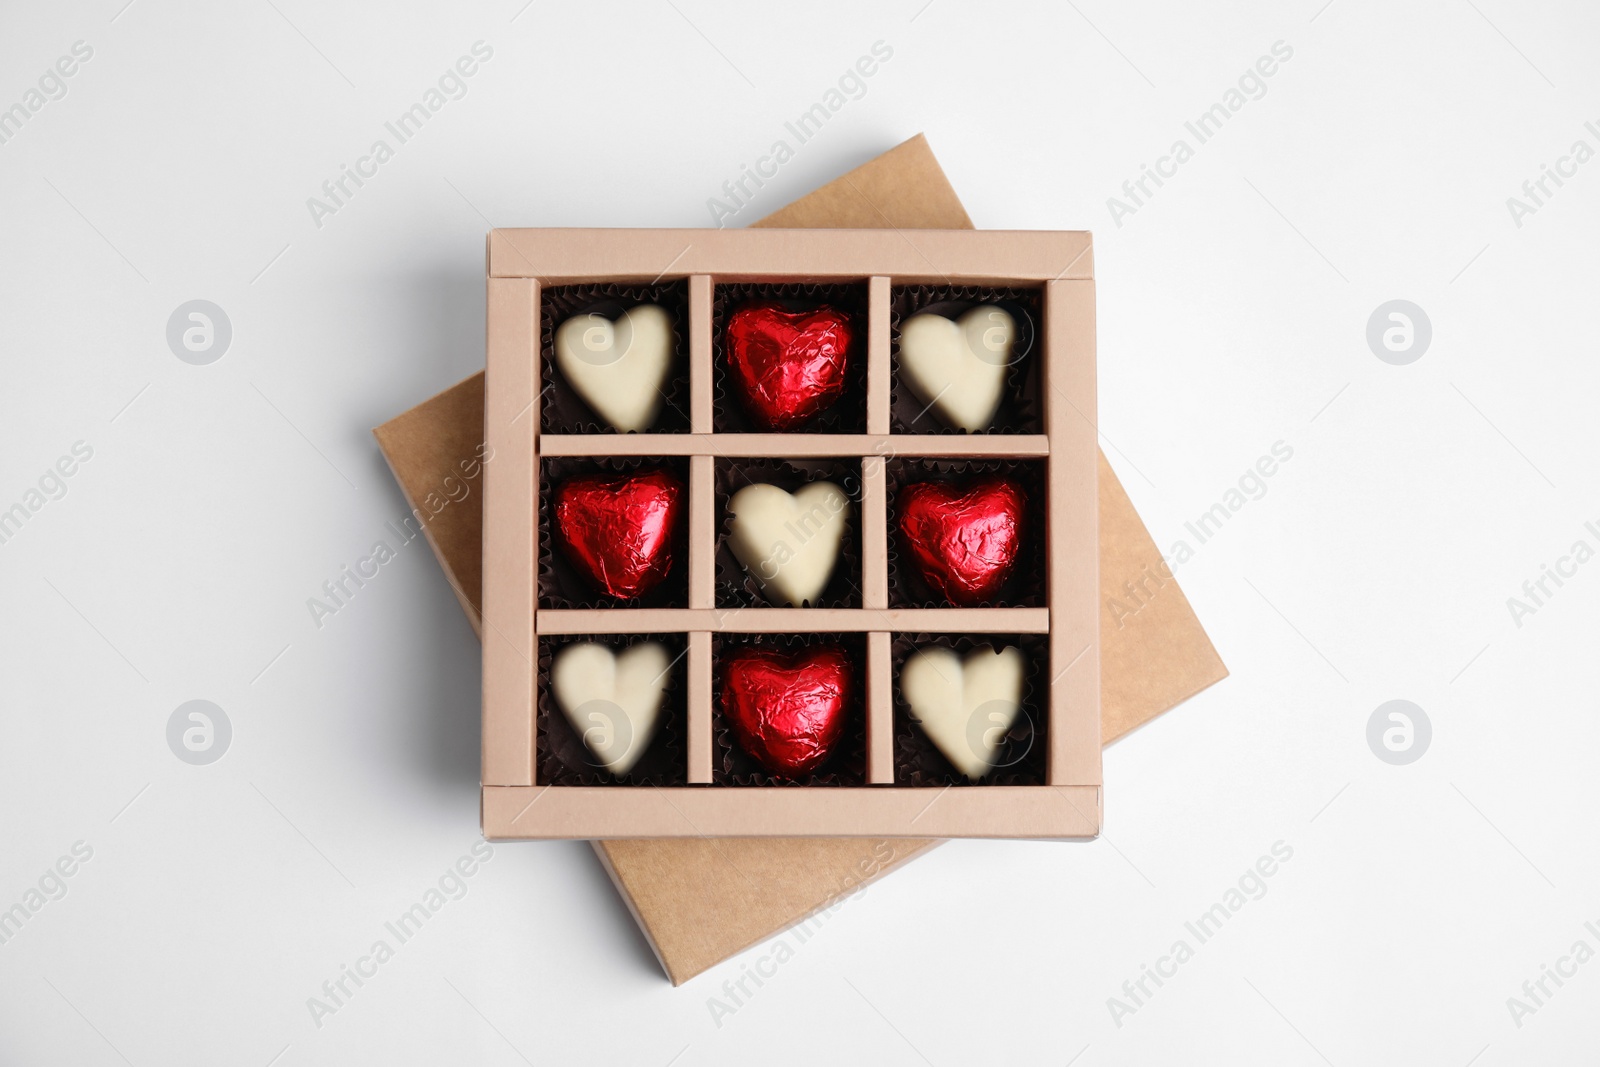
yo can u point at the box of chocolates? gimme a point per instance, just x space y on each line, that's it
790 533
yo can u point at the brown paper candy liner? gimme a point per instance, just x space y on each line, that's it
735 586
563 757
847 414
562 585
1020 408
561 409
732 765
1027 584
1023 752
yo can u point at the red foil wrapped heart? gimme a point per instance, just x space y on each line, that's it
788 365
964 543
788 711
620 530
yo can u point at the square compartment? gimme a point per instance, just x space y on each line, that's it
563 585
733 766
1026 586
564 760
847 414
1021 404
1024 751
735 588
561 409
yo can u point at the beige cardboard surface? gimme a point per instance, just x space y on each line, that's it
510 486
699 901
937 257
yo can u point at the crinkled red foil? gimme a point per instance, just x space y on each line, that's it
788 365
620 530
964 543
787 711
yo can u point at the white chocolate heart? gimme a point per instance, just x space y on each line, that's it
618 368
958 367
613 700
965 707
788 542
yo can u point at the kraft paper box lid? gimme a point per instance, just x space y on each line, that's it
700 901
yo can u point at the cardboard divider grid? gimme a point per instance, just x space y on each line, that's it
1060 266
700 697
699 354
794 620
878 355
702 533
797 445
874 535
880 710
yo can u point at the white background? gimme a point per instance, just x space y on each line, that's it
1232 315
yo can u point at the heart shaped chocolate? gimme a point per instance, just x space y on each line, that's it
964 543
966 707
612 700
618 367
788 542
958 367
620 530
788 366
787 711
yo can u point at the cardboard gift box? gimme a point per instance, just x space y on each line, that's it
528 793
701 900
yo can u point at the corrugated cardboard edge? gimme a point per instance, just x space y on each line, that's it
1153 660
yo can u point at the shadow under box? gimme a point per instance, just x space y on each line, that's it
1024 747
848 413
847 766
561 409
1026 586
561 583
735 587
1021 405
563 757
